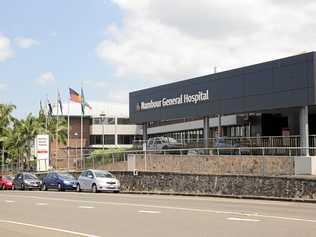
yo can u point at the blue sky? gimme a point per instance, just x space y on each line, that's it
113 47
67 34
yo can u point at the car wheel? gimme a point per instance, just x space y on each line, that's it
94 188
44 188
59 188
116 191
78 189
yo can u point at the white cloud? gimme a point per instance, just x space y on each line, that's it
3 86
46 78
6 51
25 43
162 40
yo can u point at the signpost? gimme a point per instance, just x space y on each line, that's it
42 152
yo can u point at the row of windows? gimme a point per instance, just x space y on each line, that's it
196 135
109 120
110 139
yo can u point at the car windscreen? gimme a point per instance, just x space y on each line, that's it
66 176
30 176
100 174
8 178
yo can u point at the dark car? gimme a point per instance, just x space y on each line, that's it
25 181
60 181
6 182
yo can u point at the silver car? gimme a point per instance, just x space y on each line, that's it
98 180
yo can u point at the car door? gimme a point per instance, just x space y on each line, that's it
19 181
89 179
82 179
54 180
46 180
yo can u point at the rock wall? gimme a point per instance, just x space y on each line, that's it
204 164
228 185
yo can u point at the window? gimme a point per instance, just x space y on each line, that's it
126 139
123 121
101 174
103 120
98 140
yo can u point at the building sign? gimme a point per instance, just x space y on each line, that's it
42 152
200 96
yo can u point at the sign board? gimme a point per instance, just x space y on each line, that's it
131 162
42 152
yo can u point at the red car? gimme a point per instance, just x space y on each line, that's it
6 182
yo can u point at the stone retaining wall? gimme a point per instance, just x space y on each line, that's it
204 164
228 185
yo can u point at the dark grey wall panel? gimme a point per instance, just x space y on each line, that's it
283 83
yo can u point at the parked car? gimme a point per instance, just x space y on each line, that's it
229 147
6 182
25 181
163 143
60 181
97 180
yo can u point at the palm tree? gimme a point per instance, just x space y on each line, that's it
6 123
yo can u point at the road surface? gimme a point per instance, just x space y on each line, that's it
32 213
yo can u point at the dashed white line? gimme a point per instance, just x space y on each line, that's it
242 219
150 212
9 201
41 204
86 207
48 228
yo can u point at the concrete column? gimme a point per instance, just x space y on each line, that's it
145 136
219 128
206 130
304 133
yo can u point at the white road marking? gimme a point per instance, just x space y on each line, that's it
169 208
86 207
9 201
41 204
48 228
242 219
150 212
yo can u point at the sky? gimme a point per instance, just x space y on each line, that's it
112 47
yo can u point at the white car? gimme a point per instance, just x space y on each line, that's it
98 180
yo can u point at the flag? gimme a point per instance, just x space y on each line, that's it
74 96
50 107
60 103
84 103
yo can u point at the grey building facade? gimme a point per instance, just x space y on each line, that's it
269 98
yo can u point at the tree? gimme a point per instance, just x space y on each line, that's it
6 123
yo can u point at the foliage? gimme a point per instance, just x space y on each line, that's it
17 136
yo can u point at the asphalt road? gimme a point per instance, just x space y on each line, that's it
32 213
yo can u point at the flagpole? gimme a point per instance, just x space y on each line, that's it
57 120
81 139
68 142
